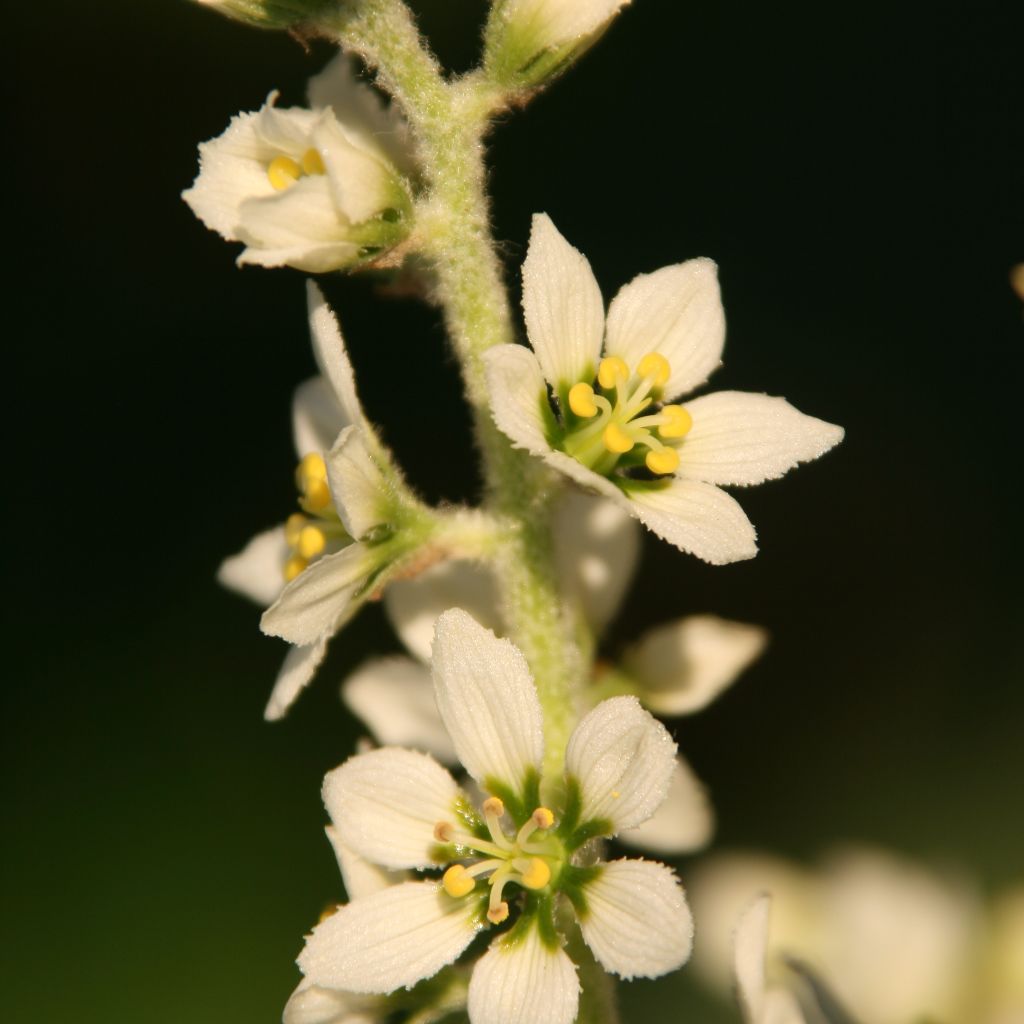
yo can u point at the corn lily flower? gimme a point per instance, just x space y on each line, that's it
358 520
611 422
517 864
317 189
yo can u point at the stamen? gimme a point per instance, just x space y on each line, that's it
311 479
664 461
493 809
457 881
497 910
313 163
443 832
293 567
616 439
283 172
543 818
498 913
537 874
293 526
311 541
678 422
611 371
581 400
654 366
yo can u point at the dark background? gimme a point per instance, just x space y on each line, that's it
857 173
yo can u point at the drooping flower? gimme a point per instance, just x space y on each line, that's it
520 863
611 423
358 521
318 189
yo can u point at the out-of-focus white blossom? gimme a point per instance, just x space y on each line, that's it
760 1002
514 862
610 423
317 189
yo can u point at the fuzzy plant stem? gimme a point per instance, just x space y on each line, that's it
452 229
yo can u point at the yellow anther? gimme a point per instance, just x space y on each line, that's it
311 541
457 881
616 439
498 914
494 805
581 400
443 832
665 461
327 912
317 496
311 479
293 567
655 367
312 162
312 467
543 818
611 371
679 421
283 172
537 875
293 526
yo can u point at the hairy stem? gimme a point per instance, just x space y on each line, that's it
449 121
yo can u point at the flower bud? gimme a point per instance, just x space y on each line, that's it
268 13
530 42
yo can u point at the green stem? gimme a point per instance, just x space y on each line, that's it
449 121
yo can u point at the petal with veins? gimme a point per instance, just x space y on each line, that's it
257 570
317 417
518 396
331 356
357 484
683 823
361 877
297 669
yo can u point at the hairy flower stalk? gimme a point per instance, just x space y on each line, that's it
449 122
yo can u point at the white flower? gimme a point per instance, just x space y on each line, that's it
607 425
402 810
528 42
760 1003
314 189
358 520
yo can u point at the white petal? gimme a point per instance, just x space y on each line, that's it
303 215
683 823
357 485
597 545
313 1004
413 605
312 257
317 417
750 946
743 438
518 396
331 356
676 311
684 665
524 982
392 939
623 759
257 571
395 698
320 598
361 877
486 696
555 22
384 805
563 307
297 669
637 922
698 518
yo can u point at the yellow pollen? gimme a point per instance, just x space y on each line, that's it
327 912
655 367
458 882
494 805
537 875
283 172
312 162
312 467
611 371
293 526
679 421
616 439
293 567
543 818
665 461
311 542
581 400
498 914
317 496
443 832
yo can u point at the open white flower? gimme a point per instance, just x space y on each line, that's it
317 189
518 863
610 423
760 1003
358 520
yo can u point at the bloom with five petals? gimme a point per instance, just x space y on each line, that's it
523 863
597 401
